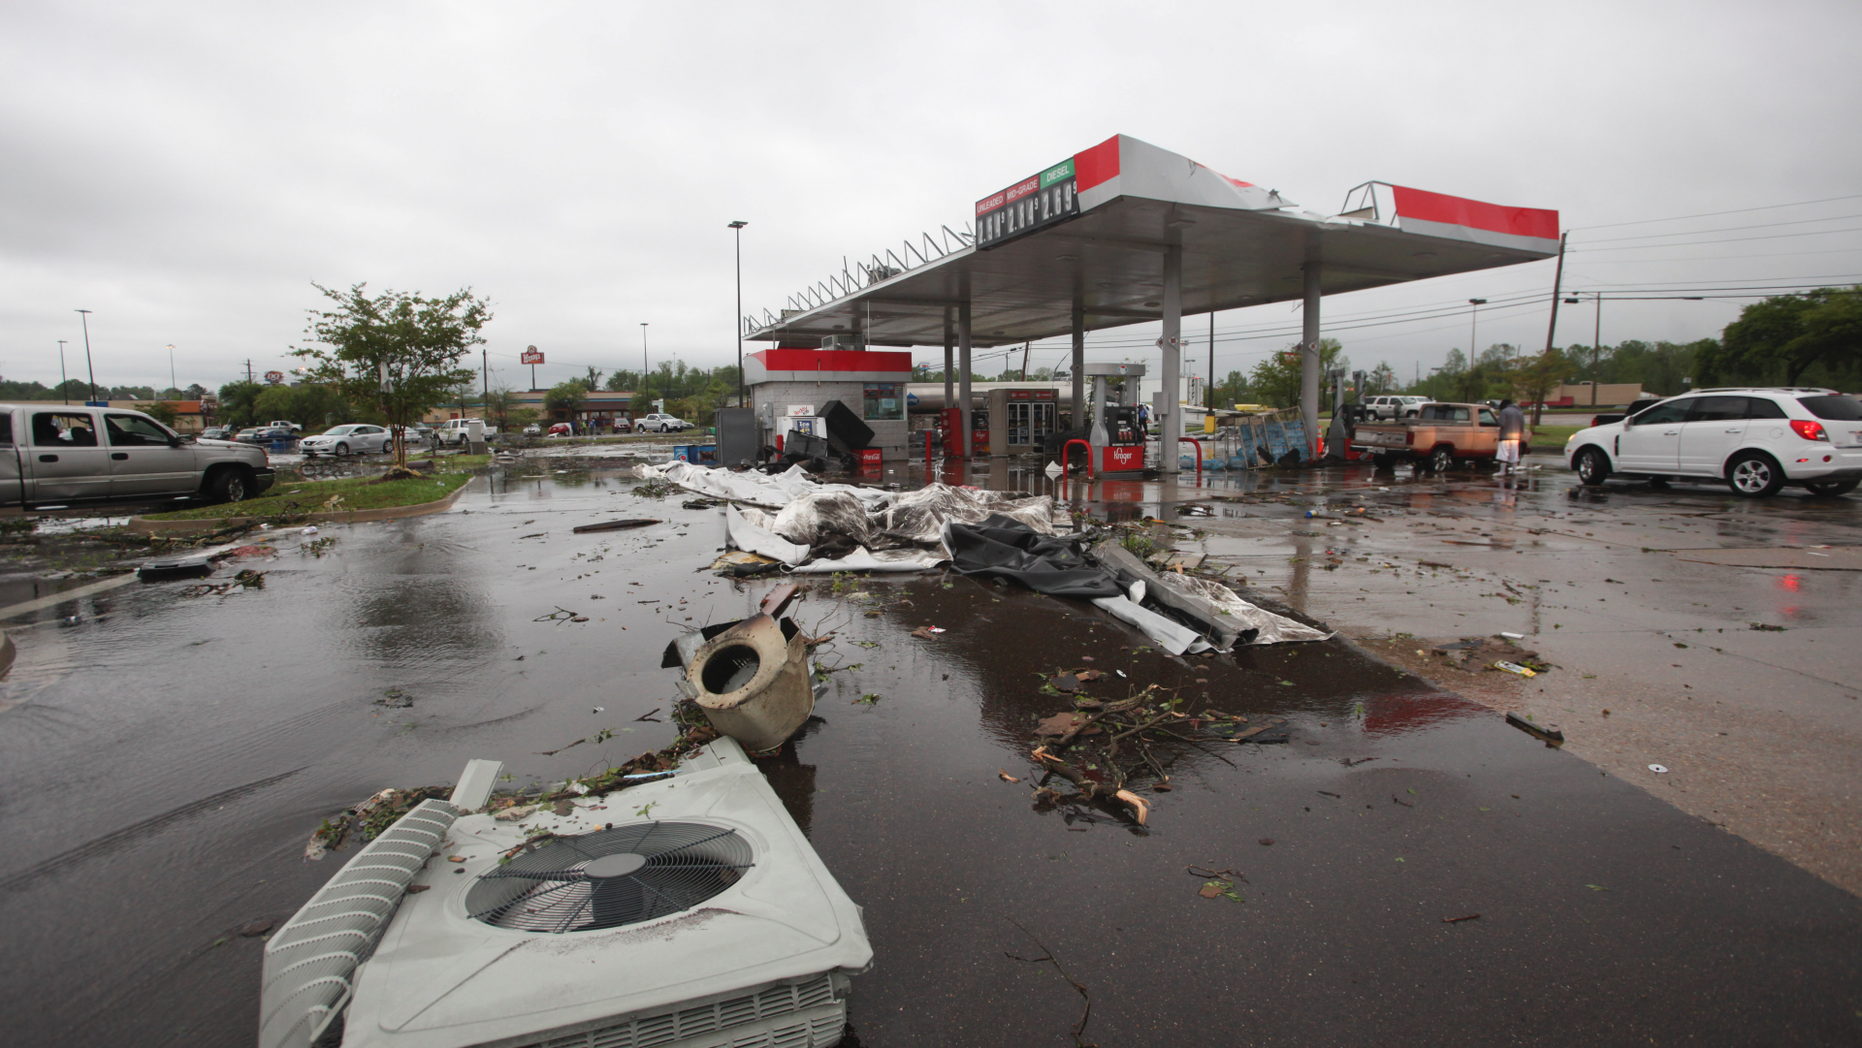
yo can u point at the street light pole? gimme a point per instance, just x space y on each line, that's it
172 388
85 317
646 377
62 379
738 226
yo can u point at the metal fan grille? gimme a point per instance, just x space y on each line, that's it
551 890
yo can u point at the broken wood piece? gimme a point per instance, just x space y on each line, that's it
1249 733
1551 735
612 525
777 600
1141 808
1005 776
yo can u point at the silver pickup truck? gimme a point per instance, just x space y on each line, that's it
69 453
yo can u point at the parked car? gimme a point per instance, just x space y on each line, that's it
1392 406
1443 435
1757 439
353 438
61 457
562 429
459 430
217 433
290 427
1640 404
533 430
262 435
658 423
419 434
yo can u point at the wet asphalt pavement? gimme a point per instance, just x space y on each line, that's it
163 761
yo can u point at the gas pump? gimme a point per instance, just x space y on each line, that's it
1117 438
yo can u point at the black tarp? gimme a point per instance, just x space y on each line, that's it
1002 546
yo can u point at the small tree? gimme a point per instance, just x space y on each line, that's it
239 403
416 342
1277 379
568 397
162 411
1534 379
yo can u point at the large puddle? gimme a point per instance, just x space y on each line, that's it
168 756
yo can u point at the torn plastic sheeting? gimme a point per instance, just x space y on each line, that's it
1169 634
919 516
1274 628
1145 582
1207 600
1051 564
818 517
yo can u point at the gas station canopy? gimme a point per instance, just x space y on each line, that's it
1091 232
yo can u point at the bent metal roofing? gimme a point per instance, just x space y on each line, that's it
1091 232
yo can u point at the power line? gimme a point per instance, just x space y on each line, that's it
1724 229
1715 258
1720 240
1717 214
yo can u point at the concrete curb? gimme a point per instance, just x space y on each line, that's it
145 526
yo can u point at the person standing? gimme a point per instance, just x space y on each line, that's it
1512 437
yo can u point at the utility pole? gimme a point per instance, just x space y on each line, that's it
1026 346
85 318
1558 279
248 369
484 374
1596 350
1210 388
1474 320
62 377
738 226
646 377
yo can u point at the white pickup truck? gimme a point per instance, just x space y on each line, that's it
459 430
59 453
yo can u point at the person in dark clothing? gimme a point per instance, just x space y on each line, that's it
1512 437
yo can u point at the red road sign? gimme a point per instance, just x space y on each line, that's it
274 377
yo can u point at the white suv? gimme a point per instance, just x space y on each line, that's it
1757 439
1393 407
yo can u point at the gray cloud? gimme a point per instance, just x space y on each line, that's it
186 171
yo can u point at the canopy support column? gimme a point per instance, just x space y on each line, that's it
1309 359
963 378
1079 367
1170 426
950 365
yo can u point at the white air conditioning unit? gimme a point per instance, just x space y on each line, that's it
843 342
687 912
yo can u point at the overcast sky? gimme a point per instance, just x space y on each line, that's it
187 170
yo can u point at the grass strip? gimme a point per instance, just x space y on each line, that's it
315 496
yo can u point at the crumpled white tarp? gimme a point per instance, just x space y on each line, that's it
869 529
1275 629
753 536
863 559
758 489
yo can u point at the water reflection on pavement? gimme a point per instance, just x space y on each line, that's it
169 756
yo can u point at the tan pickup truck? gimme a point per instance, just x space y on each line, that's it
1440 436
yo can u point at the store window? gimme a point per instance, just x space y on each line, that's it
884 400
